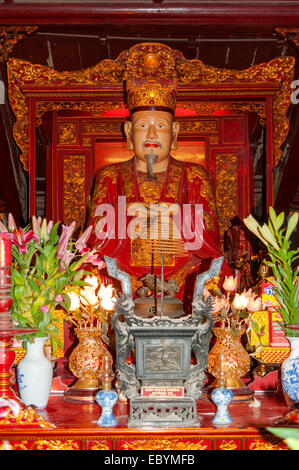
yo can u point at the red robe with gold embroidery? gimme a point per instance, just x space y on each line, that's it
183 183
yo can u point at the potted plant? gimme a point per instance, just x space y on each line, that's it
45 266
276 236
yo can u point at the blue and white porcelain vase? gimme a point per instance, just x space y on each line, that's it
34 375
290 373
107 399
222 398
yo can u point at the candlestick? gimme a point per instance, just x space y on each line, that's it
107 398
222 396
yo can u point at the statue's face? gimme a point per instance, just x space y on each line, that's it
152 130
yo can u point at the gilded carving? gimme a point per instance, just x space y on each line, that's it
99 445
159 61
74 189
44 445
9 36
26 416
98 107
198 126
280 70
214 139
164 444
291 34
206 190
209 107
152 59
102 127
67 133
272 444
226 190
86 141
227 445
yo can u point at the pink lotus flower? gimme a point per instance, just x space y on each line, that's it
21 239
59 298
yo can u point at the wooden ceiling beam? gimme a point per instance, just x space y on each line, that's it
206 13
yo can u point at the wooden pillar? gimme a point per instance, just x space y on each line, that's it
32 158
269 155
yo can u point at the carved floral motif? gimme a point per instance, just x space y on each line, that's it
9 36
74 189
226 188
67 133
27 416
164 444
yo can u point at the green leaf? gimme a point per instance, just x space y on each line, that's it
280 220
272 218
217 292
255 327
33 286
17 278
18 292
290 435
53 237
77 264
234 328
291 225
67 301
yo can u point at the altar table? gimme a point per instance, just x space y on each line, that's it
76 429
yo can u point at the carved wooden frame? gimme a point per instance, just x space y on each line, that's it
34 89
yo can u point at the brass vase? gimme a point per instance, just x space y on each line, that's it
237 362
85 363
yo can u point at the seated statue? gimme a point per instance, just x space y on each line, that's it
155 214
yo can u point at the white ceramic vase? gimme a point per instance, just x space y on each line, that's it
290 373
34 375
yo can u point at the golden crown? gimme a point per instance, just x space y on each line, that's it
144 94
